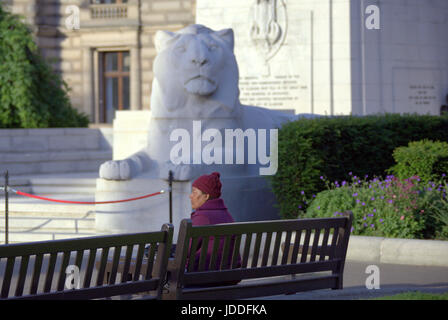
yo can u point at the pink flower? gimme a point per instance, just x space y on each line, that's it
402 218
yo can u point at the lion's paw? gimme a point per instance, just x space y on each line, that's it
181 172
115 170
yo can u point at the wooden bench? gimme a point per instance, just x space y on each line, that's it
313 258
61 252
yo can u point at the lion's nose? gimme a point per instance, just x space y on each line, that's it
199 61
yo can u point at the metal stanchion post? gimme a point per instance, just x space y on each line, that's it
170 186
6 206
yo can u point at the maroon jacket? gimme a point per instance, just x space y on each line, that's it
212 212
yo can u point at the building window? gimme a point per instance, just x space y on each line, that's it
114 84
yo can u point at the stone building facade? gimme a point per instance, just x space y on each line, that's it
343 67
103 48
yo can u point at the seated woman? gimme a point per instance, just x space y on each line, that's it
209 209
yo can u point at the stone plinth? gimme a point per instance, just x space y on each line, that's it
242 196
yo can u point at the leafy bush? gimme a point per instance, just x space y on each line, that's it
334 146
425 158
433 199
32 95
387 208
441 216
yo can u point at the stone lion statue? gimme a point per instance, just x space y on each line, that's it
195 79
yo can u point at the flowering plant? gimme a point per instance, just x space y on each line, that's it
388 207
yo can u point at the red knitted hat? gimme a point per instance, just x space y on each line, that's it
209 184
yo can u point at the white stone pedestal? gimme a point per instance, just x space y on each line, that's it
247 198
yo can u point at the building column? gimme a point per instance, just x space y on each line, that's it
135 81
88 83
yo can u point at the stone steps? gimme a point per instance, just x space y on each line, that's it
22 221
82 183
53 162
19 237
37 220
61 185
33 222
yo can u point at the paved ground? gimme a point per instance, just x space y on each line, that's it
393 279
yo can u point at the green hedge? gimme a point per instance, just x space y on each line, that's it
310 150
32 95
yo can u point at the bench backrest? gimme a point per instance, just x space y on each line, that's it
59 254
258 250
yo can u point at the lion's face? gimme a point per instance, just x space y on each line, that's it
198 62
199 58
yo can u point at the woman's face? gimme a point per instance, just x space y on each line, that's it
197 198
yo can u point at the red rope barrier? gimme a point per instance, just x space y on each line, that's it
85 202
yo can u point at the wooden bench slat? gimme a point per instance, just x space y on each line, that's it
206 277
214 256
139 261
203 255
278 238
97 292
89 269
286 249
151 258
22 275
256 252
115 261
265 226
260 289
97 242
102 267
36 273
315 244
246 252
305 247
127 263
295 251
334 239
236 251
192 258
267 249
324 244
7 277
50 272
79 258
62 274
225 254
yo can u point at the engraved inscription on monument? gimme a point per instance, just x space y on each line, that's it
417 91
422 95
276 92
